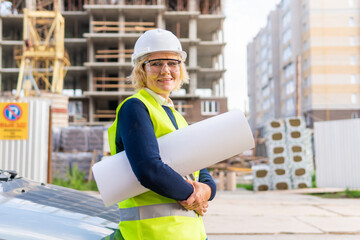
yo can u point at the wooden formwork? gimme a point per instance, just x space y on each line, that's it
106 54
104 83
115 26
177 5
74 5
100 113
127 2
209 6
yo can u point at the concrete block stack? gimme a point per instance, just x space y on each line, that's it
81 139
73 139
80 146
300 152
95 138
61 162
289 150
56 131
275 132
261 177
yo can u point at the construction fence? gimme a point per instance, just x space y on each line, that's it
28 154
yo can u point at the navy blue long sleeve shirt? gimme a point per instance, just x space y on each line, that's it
135 134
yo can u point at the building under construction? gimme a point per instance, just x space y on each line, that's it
99 40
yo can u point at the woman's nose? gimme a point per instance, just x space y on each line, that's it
163 69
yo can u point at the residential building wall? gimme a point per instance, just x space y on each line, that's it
264 74
318 62
251 85
331 59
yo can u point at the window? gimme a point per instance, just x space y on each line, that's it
264 53
75 108
308 120
209 107
353 98
269 53
305 26
307 82
290 106
304 8
351 3
263 39
264 66
271 83
307 101
289 70
286 36
287 53
306 45
285 4
285 21
265 91
353 79
306 63
269 39
264 79
352 60
180 106
290 87
266 104
351 21
270 69
352 41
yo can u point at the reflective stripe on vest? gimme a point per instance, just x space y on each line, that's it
154 211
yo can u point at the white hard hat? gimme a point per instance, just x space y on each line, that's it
157 40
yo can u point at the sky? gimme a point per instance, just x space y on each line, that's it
244 19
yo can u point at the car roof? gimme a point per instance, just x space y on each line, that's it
36 210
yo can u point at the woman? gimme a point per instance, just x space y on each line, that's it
171 209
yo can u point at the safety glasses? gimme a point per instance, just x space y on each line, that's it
157 65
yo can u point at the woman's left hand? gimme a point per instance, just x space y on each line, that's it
198 200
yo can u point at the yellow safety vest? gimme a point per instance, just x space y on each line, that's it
150 216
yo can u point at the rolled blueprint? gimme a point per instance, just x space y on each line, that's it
186 150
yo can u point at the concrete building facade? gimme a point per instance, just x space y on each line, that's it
264 66
99 38
318 62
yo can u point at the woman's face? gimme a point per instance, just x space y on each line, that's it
162 72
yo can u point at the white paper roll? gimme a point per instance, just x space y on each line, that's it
186 150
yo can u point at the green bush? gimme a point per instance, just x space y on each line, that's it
75 179
352 193
313 177
345 194
249 187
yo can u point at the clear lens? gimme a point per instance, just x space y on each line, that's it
157 65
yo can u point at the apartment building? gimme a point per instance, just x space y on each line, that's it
99 38
318 62
263 65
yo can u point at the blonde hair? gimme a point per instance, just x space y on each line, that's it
138 74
